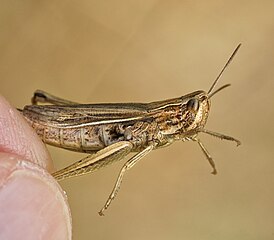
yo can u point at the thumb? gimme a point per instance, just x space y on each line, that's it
32 205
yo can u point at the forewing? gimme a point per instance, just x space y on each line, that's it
85 114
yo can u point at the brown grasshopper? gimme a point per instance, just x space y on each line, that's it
109 132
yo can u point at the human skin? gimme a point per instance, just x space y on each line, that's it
32 204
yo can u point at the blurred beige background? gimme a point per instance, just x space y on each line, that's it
119 51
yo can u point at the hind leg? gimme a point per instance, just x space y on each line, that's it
40 96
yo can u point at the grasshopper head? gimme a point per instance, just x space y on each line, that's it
195 110
196 105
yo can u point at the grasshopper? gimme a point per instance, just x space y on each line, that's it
109 132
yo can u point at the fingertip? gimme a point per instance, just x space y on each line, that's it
17 137
32 203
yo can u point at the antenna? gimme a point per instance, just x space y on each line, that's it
218 90
220 74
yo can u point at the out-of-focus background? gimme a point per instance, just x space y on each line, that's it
125 51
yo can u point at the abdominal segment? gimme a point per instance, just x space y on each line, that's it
84 139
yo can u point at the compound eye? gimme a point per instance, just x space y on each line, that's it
193 104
